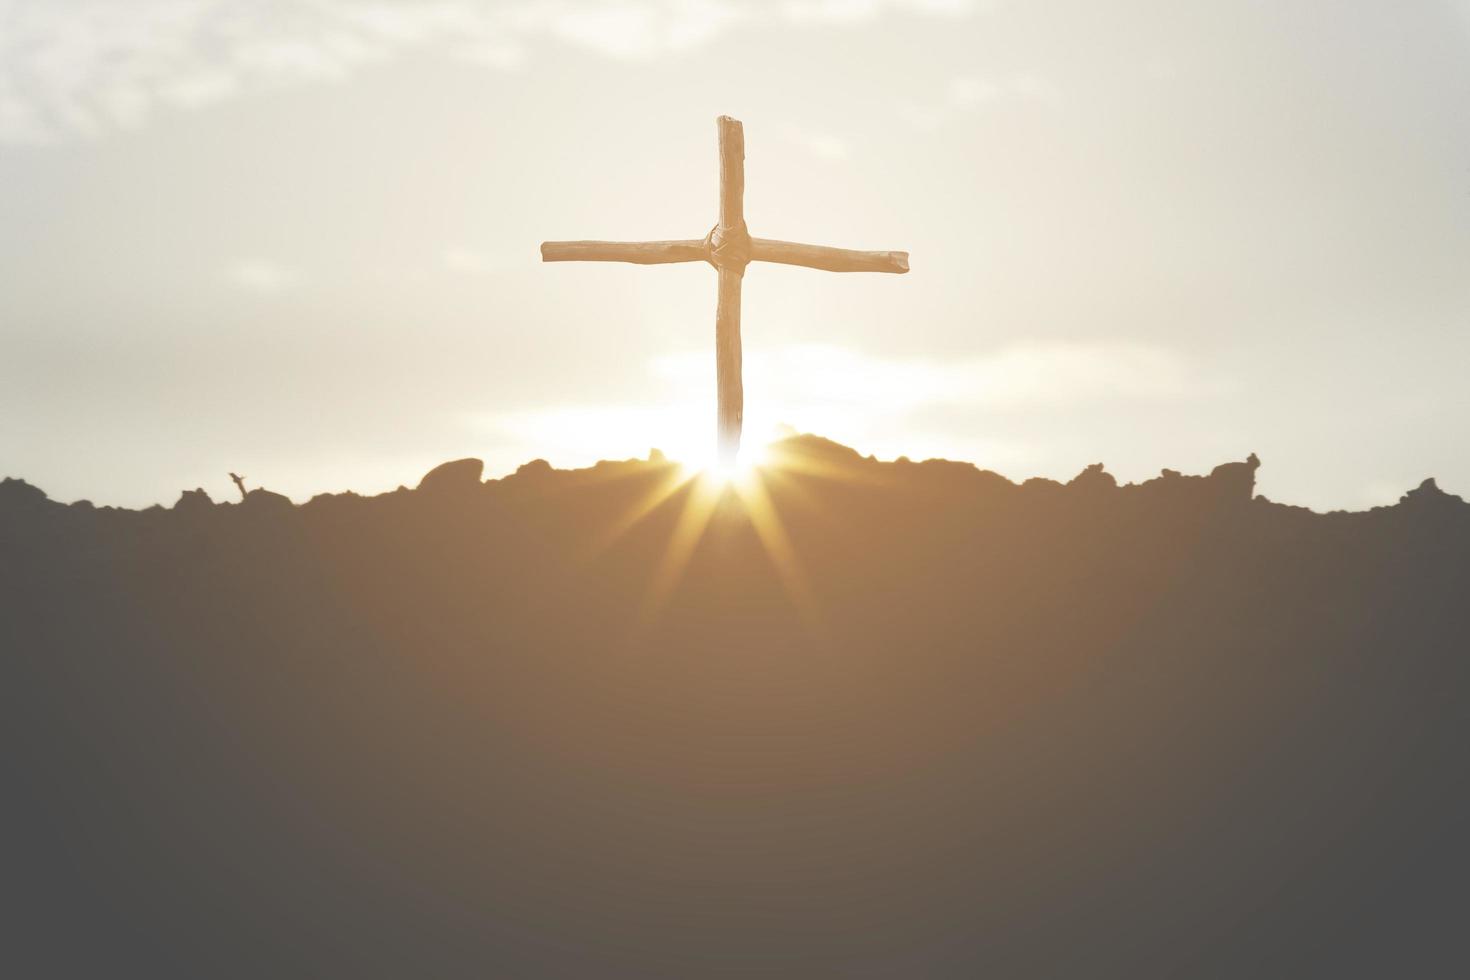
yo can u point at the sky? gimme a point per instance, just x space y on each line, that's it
299 240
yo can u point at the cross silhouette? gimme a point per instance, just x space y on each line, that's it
729 248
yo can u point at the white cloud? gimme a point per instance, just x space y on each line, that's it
259 276
291 60
622 30
700 21
856 11
838 11
878 404
1022 377
84 67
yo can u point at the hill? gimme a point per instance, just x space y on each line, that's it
850 719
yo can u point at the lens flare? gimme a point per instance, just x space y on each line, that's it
739 472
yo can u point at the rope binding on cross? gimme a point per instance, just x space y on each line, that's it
729 249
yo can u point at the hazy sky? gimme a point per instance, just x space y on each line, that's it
299 239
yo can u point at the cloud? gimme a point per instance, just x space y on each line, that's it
82 68
856 11
259 276
876 403
1022 377
639 30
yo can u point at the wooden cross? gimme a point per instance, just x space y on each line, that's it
729 248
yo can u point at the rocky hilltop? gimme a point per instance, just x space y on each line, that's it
851 719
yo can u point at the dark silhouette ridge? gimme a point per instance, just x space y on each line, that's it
933 724
194 501
462 476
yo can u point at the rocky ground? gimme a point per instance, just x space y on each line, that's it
850 719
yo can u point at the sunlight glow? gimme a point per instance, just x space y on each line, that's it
707 487
882 405
699 507
777 544
739 473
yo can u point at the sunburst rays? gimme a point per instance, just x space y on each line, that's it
703 496
761 509
704 491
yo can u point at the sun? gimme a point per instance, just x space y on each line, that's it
702 486
738 473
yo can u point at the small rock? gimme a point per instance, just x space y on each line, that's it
15 492
1428 494
455 477
536 467
1236 481
193 502
261 501
1093 478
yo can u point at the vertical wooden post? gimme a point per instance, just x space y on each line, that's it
727 365
729 248
731 229
732 175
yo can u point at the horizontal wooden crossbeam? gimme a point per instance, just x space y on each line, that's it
696 250
729 248
826 257
641 253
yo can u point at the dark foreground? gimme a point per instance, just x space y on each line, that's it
932 724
